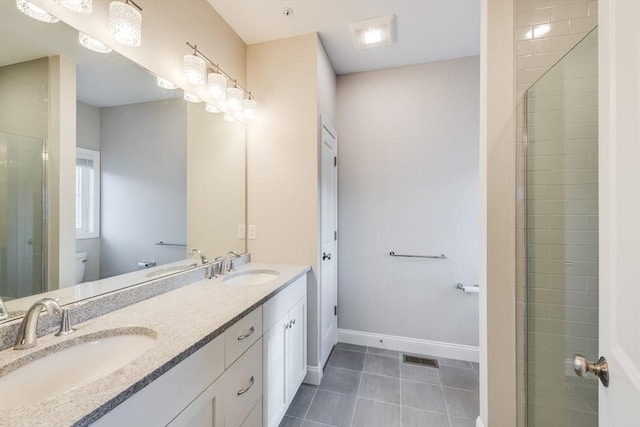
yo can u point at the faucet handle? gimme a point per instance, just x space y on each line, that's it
65 324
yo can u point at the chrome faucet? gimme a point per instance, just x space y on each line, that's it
203 259
226 262
27 331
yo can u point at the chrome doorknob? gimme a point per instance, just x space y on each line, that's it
600 369
325 256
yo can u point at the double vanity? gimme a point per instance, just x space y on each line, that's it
227 351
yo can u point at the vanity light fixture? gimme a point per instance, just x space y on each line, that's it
234 98
194 68
35 12
217 83
125 22
229 118
212 108
188 96
373 32
165 84
249 107
79 6
93 44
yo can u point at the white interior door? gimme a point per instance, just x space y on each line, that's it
619 157
329 237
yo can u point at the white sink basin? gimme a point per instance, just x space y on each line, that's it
250 277
75 363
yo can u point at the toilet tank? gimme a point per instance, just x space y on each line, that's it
81 265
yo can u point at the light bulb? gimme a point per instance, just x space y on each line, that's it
125 24
217 83
80 6
35 12
234 98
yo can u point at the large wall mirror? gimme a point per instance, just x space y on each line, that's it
155 176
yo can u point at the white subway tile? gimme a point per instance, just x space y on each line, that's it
533 17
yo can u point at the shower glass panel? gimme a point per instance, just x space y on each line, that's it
562 239
22 218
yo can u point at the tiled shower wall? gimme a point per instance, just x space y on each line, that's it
545 31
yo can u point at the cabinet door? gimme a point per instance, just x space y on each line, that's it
296 348
205 411
273 354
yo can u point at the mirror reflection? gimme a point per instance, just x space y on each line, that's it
128 194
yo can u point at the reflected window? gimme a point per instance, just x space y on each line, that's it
87 193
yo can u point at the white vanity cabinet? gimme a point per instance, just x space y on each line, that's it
284 349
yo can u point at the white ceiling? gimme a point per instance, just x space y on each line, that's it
427 30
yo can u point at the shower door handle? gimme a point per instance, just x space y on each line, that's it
600 369
325 256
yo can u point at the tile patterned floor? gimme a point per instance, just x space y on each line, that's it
370 387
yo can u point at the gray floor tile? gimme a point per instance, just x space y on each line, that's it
376 414
423 374
376 387
340 380
290 422
381 365
412 417
309 423
302 401
332 408
462 403
347 359
476 367
462 422
465 379
383 352
351 347
422 396
454 363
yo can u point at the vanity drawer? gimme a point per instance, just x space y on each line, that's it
280 304
239 337
243 386
255 416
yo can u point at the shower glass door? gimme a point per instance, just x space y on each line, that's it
22 217
562 239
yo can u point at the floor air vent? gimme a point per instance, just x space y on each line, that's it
422 361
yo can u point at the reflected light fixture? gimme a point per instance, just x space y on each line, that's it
125 22
194 68
35 12
249 107
217 83
373 32
93 44
212 108
165 84
188 96
79 6
229 118
235 97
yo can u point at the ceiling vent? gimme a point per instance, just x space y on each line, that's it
374 32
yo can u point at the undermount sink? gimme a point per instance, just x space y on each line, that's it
71 364
170 270
250 277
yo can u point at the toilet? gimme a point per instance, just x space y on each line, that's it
81 265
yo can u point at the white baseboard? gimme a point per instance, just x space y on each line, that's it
479 422
410 345
314 375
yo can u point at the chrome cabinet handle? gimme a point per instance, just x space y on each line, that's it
294 321
325 256
251 331
244 390
600 369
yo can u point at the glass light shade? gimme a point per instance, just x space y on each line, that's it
229 118
80 6
191 97
125 24
194 69
249 108
234 98
93 44
35 12
212 108
165 84
217 83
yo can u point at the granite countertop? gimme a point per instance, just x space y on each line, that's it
184 320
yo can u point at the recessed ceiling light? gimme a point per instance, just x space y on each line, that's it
373 32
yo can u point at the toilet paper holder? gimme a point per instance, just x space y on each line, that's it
469 289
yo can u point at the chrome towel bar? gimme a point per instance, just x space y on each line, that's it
443 256
161 243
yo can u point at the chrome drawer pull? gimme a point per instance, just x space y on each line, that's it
251 331
244 390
